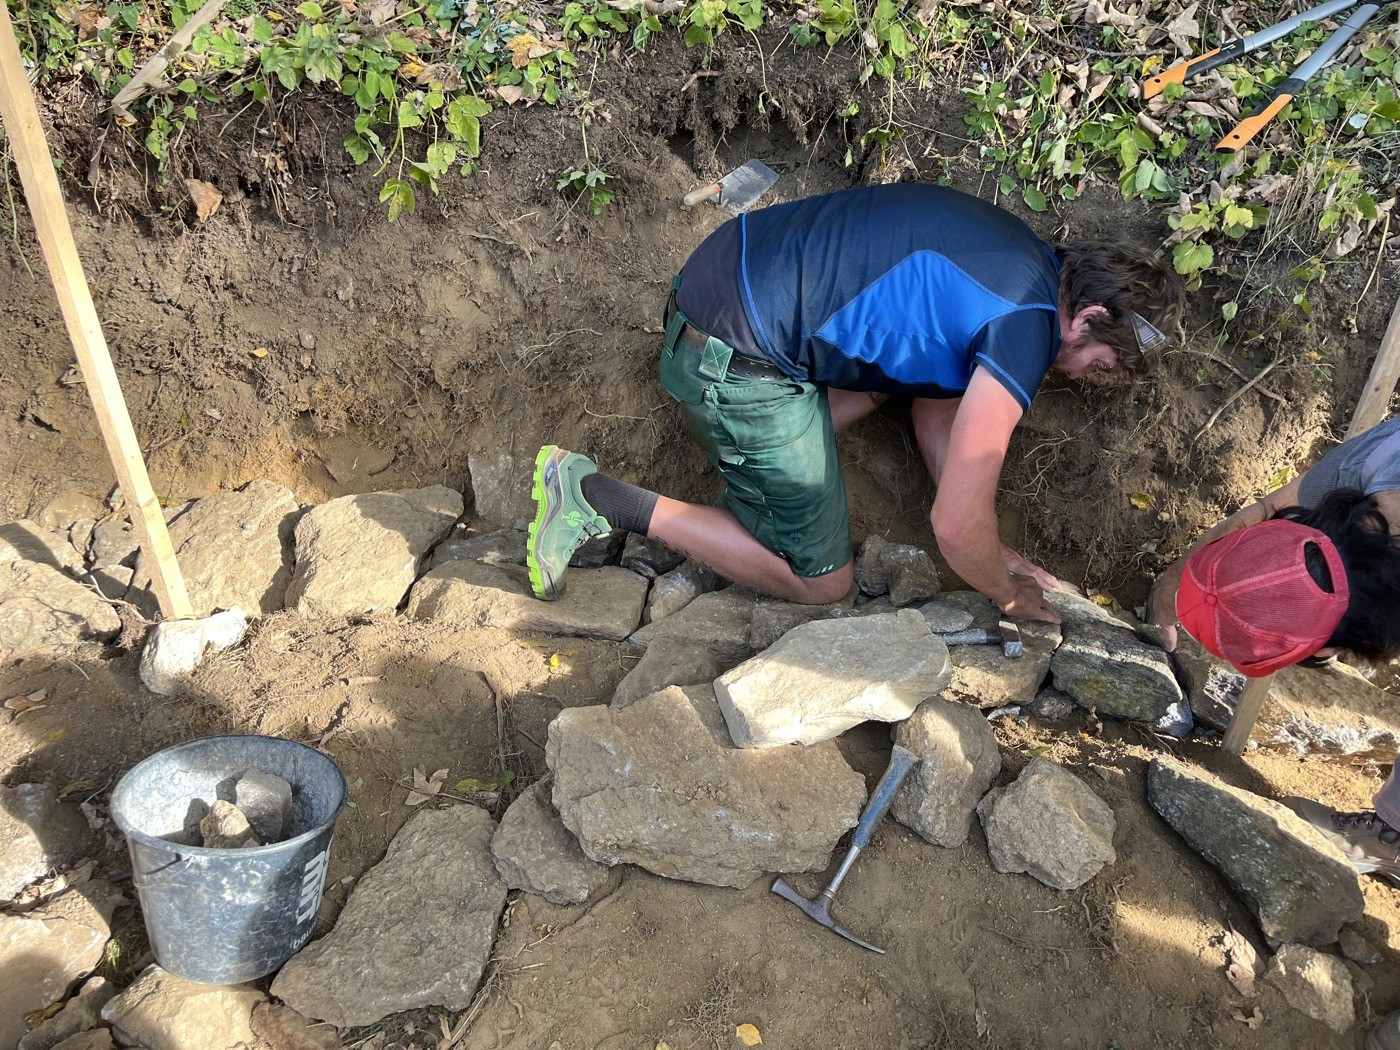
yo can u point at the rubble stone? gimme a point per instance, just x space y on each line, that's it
1357 948
1050 825
37 833
175 648
1111 671
720 618
42 607
282 1028
79 1014
225 827
163 1012
1077 609
824 677
648 557
266 801
673 661
773 620
43 951
597 603
1053 705
417 930
599 551
905 572
234 549
113 542
676 589
942 619
1315 984
534 852
96 1039
658 784
958 760
506 546
982 675
500 482
1297 883
360 554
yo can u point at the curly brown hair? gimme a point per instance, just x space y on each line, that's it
1121 276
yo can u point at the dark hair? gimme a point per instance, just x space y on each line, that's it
1120 276
1354 523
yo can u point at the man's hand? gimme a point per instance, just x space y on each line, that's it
1018 564
1162 602
1029 603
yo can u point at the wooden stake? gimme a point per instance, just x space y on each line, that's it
1385 373
20 117
1247 709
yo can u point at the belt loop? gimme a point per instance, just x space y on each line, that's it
714 359
676 321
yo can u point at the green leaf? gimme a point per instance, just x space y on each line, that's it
358 148
310 9
1229 310
1235 215
1035 200
262 29
1191 257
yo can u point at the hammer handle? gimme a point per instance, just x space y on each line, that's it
902 761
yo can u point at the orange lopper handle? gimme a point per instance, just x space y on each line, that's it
1178 74
1252 125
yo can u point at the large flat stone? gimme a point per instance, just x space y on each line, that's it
958 760
1296 882
673 661
824 677
417 930
534 852
234 549
598 603
37 833
360 554
163 1012
44 951
1108 669
43 609
659 784
1050 825
499 547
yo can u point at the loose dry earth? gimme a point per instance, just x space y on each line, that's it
499 318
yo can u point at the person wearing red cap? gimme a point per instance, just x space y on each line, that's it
1308 571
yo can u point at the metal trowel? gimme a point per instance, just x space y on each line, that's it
738 190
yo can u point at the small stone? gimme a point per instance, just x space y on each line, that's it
417 930
1314 984
1357 948
225 827
676 589
1052 705
1386 1034
534 852
113 543
597 603
600 551
943 619
824 677
505 546
37 833
1296 882
905 572
68 507
673 661
1050 825
266 801
45 950
773 620
175 648
1077 609
1111 671
958 760
659 785
97 1039
307 339
282 1028
79 1014
648 557
1362 983
163 1012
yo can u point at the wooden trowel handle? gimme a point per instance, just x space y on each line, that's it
703 194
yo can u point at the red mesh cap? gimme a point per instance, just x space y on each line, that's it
1249 599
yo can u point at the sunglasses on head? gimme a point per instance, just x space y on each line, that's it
1151 340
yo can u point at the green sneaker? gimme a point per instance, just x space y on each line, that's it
563 518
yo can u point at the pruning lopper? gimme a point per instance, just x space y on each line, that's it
1251 125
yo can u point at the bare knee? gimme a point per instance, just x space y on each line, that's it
822 590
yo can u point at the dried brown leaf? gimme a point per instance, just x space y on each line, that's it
1254 1020
206 197
31 702
425 786
1184 28
1242 963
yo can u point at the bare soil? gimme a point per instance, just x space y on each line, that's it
502 316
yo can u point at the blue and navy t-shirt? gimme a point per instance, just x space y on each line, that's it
904 289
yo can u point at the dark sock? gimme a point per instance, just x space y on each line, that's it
625 506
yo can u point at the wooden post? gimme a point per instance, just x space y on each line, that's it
20 117
1247 709
1380 385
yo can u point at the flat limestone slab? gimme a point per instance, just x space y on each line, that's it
598 603
659 784
417 930
823 677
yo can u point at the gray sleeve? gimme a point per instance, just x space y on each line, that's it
1369 462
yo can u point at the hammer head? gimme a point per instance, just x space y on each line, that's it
1010 639
819 911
